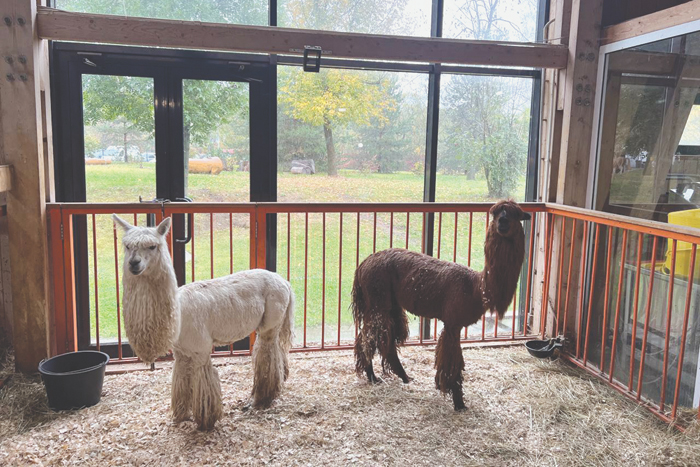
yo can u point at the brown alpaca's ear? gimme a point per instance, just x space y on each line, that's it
526 216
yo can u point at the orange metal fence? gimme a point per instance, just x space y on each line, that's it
632 316
621 291
318 248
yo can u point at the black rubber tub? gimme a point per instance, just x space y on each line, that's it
74 380
543 348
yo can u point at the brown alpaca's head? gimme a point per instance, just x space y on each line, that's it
506 217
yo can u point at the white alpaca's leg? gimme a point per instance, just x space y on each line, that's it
268 367
206 397
181 391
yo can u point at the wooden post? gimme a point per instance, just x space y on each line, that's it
25 123
578 91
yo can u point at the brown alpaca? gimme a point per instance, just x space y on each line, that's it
391 281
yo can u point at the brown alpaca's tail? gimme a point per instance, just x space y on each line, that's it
363 348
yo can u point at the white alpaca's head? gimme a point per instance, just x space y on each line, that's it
145 248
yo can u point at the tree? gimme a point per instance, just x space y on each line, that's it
334 98
124 98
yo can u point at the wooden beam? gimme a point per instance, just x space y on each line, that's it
68 26
5 177
24 124
580 89
663 19
643 63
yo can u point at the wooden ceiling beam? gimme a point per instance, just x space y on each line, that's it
663 19
82 27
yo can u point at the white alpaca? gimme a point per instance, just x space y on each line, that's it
190 320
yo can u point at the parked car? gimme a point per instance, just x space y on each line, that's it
148 157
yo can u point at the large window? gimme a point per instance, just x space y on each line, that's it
483 138
497 20
649 167
213 11
396 17
351 136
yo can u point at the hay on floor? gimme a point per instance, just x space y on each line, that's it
519 410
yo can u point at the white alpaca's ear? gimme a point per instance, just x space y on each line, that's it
164 227
122 223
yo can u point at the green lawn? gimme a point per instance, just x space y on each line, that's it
228 236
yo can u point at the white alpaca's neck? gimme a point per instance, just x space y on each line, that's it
151 309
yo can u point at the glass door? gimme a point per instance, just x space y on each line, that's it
136 128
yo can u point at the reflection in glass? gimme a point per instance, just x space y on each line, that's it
649 167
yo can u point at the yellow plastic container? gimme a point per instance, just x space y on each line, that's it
690 218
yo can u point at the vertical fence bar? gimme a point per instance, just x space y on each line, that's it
633 346
664 371
617 306
454 247
646 319
306 269
323 286
374 234
116 272
530 268
97 298
512 326
211 244
408 220
590 295
391 230
289 243
230 242
422 235
469 247
579 309
439 233
340 271
357 258
549 246
192 245
568 276
684 332
562 239
605 300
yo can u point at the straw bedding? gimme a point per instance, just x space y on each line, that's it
519 411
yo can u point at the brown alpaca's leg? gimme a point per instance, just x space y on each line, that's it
449 363
364 351
398 335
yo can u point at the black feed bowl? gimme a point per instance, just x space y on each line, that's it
542 348
74 380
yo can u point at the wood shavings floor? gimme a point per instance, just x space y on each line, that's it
520 411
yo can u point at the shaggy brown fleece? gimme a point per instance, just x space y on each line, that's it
391 281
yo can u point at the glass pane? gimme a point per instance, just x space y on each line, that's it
649 167
498 20
397 17
483 138
119 138
213 11
351 136
216 136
